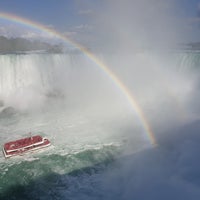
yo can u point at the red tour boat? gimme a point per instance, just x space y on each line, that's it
19 147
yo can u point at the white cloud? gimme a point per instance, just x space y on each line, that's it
70 33
83 27
85 12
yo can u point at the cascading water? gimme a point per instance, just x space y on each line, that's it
31 75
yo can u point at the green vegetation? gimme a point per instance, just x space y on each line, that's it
21 45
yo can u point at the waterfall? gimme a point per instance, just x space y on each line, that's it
34 77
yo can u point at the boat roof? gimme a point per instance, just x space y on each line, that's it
22 142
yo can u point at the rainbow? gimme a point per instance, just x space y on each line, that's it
131 99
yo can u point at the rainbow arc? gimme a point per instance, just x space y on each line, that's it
119 84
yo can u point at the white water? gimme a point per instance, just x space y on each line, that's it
66 97
88 120
71 99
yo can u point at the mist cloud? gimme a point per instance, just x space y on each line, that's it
171 170
138 24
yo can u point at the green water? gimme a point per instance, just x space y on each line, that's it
46 176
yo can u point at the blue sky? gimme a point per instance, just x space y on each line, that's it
46 11
76 18
65 16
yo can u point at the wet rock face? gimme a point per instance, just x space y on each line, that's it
8 111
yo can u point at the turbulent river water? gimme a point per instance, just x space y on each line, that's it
95 133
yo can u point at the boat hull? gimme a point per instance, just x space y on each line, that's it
26 145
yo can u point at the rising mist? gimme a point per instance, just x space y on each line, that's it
143 37
138 40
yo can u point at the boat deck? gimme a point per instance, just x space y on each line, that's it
22 143
21 146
